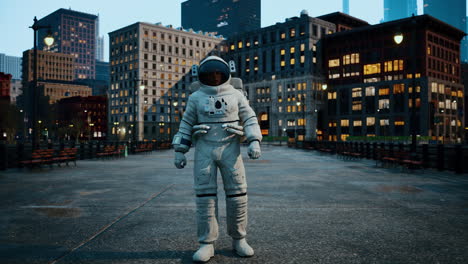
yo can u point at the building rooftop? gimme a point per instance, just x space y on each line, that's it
342 18
159 24
70 12
405 24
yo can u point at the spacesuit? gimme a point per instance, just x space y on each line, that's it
218 116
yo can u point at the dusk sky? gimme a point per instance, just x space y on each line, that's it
17 15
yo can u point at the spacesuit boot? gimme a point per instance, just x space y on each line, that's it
236 210
207 221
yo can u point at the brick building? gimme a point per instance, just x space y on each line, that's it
90 112
369 80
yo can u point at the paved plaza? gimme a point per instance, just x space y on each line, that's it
304 207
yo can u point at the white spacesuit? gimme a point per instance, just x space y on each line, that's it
218 115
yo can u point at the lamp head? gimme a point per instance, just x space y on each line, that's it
49 39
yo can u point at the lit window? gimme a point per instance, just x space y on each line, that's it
384 122
371 68
239 44
370 91
282 52
356 92
384 103
292 50
233 47
399 123
292 61
357 106
302 47
292 32
398 88
384 91
334 63
302 59
344 122
357 123
370 121
282 63
283 35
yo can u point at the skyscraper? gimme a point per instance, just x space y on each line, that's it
11 65
224 17
99 43
75 34
346 6
455 16
397 9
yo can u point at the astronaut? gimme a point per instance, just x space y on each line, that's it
218 116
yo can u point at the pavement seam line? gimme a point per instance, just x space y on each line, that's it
116 220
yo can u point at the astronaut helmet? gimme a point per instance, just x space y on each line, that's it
213 71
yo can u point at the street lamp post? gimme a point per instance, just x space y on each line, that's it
48 40
398 38
135 107
172 105
299 103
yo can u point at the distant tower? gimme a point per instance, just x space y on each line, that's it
455 16
397 9
346 6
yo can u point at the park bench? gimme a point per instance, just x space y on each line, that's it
347 152
66 155
109 152
397 158
142 148
39 157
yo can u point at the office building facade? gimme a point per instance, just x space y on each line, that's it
370 81
222 17
55 75
11 65
75 34
280 70
158 59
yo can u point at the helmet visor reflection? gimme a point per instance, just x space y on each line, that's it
213 73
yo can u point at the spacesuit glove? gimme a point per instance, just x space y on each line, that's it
254 150
199 130
179 160
234 129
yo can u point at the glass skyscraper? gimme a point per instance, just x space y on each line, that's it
397 9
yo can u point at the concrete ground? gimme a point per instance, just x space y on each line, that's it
304 207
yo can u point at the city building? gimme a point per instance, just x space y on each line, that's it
100 85
455 16
222 17
99 43
5 85
99 48
11 65
281 73
16 89
370 80
55 75
75 34
150 76
346 6
397 9
86 113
